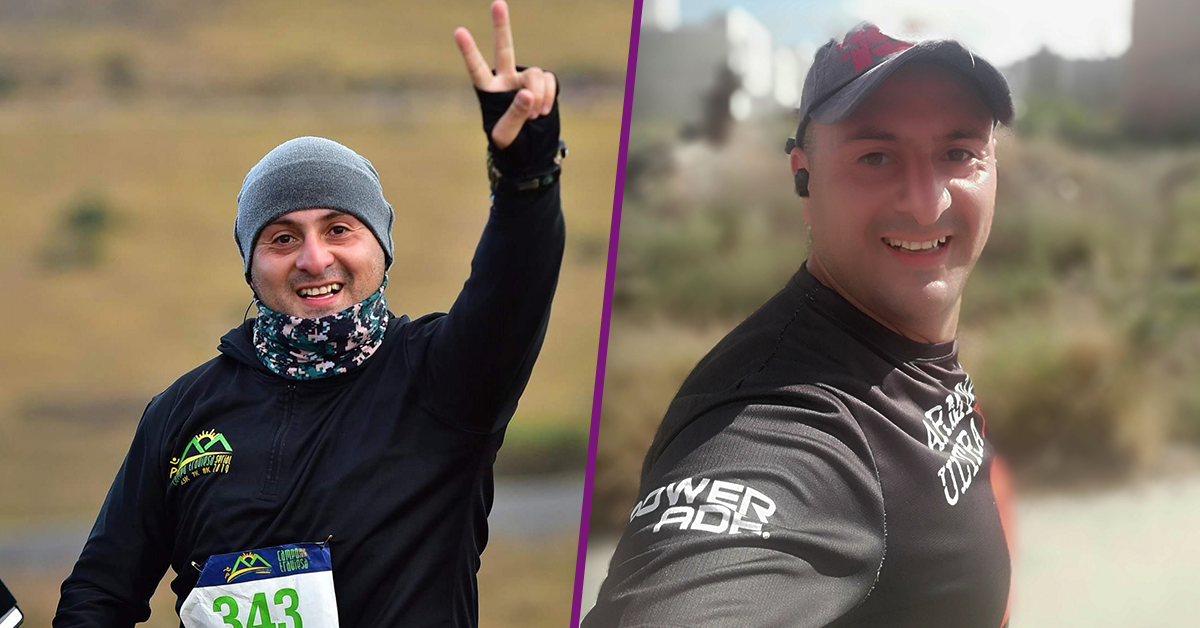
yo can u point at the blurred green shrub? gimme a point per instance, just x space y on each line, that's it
707 263
1067 119
78 238
118 71
703 241
8 84
1067 401
543 447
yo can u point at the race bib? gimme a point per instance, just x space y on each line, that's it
288 586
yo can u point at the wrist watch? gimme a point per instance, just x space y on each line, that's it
499 182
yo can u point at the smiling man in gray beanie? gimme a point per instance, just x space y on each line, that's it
333 466
310 172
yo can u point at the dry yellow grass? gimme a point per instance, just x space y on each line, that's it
269 44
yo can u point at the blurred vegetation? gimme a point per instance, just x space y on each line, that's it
543 446
1070 121
79 238
8 84
118 71
1080 325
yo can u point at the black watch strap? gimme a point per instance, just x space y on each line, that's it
533 160
531 181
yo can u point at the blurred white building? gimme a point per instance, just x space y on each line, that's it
662 15
1162 80
680 68
1093 83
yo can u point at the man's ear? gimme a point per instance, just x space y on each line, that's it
799 163
798 158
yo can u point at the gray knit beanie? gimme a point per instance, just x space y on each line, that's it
309 173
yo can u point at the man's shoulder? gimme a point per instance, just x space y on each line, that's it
410 328
744 349
757 423
771 408
214 372
784 344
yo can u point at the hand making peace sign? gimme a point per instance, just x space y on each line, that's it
536 87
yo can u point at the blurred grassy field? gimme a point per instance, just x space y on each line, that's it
271 46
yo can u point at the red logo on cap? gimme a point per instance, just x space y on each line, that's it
867 45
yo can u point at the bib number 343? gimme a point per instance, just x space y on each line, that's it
260 616
286 586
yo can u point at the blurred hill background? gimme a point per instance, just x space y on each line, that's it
126 127
1080 326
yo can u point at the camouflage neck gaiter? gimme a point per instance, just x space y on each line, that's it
312 348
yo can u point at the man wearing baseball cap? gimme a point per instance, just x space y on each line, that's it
826 463
333 465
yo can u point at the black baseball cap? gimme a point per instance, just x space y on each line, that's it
844 73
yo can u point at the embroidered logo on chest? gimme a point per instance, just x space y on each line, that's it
951 428
207 452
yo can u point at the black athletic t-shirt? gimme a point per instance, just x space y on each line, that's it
815 469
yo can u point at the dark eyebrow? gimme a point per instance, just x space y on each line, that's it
871 133
966 134
288 222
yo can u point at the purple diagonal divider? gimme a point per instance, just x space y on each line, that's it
602 351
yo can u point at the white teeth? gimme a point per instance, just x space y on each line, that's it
318 291
915 246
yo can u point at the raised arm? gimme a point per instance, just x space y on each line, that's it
477 358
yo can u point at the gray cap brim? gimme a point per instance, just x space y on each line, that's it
992 86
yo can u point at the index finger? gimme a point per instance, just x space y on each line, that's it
481 75
502 39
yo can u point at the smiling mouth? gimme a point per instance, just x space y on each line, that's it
917 247
320 292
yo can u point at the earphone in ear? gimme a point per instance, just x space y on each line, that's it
802 182
801 174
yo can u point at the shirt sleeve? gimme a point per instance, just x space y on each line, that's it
476 360
752 516
129 547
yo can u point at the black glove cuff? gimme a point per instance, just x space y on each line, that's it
533 158
533 181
